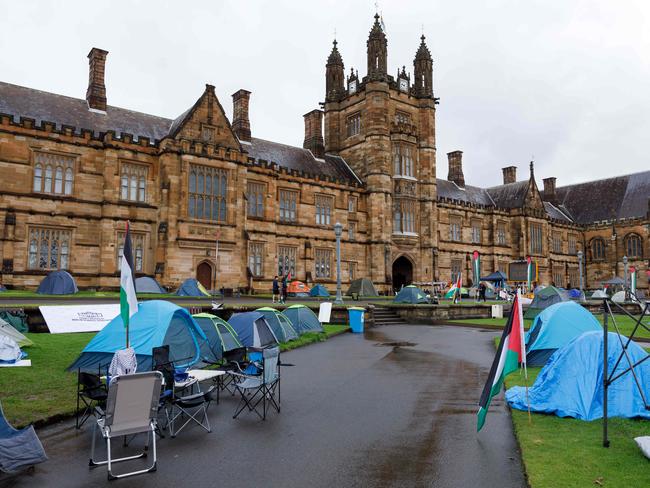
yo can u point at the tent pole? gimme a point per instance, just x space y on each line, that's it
605 372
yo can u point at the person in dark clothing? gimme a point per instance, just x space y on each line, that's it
481 292
276 289
283 296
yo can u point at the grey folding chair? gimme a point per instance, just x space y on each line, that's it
131 408
263 390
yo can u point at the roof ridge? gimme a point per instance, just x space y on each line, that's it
604 179
83 100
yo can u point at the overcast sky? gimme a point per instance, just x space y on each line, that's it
567 82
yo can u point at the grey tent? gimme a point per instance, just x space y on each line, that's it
279 323
18 448
58 282
146 284
362 287
615 281
599 294
7 330
545 298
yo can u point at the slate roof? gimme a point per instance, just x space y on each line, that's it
469 194
19 101
299 159
619 197
556 213
512 195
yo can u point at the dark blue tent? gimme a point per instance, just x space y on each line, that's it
498 277
146 284
252 329
191 288
156 323
58 283
2 288
319 291
571 383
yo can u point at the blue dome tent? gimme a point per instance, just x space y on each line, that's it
303 319
554 328
147 284
279 323
157 323
411 294
58 283
252 329
571 383
191 288
319 291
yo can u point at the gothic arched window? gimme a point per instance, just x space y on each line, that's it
633 246
598 249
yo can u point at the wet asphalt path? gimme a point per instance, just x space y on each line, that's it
357 411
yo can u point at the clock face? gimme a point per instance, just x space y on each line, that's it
353 87
403 84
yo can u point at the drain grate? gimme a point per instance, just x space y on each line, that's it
396 344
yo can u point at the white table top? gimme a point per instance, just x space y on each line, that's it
205 374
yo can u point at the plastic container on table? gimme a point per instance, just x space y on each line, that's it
355 316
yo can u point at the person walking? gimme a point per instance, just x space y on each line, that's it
481 292
276 289
283 295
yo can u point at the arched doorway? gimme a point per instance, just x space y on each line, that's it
402 272
204 274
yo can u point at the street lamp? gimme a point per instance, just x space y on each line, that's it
625 275
338 229
580 255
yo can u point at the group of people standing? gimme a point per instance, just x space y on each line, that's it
280 288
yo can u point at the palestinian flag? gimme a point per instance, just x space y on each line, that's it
633 280
459 284
510 354
128 299
476 267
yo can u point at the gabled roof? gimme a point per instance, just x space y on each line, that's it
19 101
619 197
468 194
299 159
512 195
556 213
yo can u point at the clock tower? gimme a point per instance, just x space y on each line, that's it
384 127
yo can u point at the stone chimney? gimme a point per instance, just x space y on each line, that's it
314 133
96 93
456 168
509 174
241 125
549 189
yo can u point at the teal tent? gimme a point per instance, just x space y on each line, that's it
555 327
303 319
411 294
220 336
319 291
156 323
544 298
279 323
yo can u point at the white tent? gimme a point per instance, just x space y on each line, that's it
9 331
619 297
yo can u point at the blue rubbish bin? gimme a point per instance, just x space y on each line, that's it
355 315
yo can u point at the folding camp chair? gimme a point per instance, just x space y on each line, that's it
131 408
235 365
192 408
261 390
91 393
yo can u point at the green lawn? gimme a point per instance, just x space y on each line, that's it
44 390
624 322
563 452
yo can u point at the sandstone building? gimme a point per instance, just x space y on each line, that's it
72 171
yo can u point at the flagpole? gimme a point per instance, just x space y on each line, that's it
523 351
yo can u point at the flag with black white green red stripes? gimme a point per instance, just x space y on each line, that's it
510 354
128 298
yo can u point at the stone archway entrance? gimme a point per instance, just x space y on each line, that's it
204 274
402 273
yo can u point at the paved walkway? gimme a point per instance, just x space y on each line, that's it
357 411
